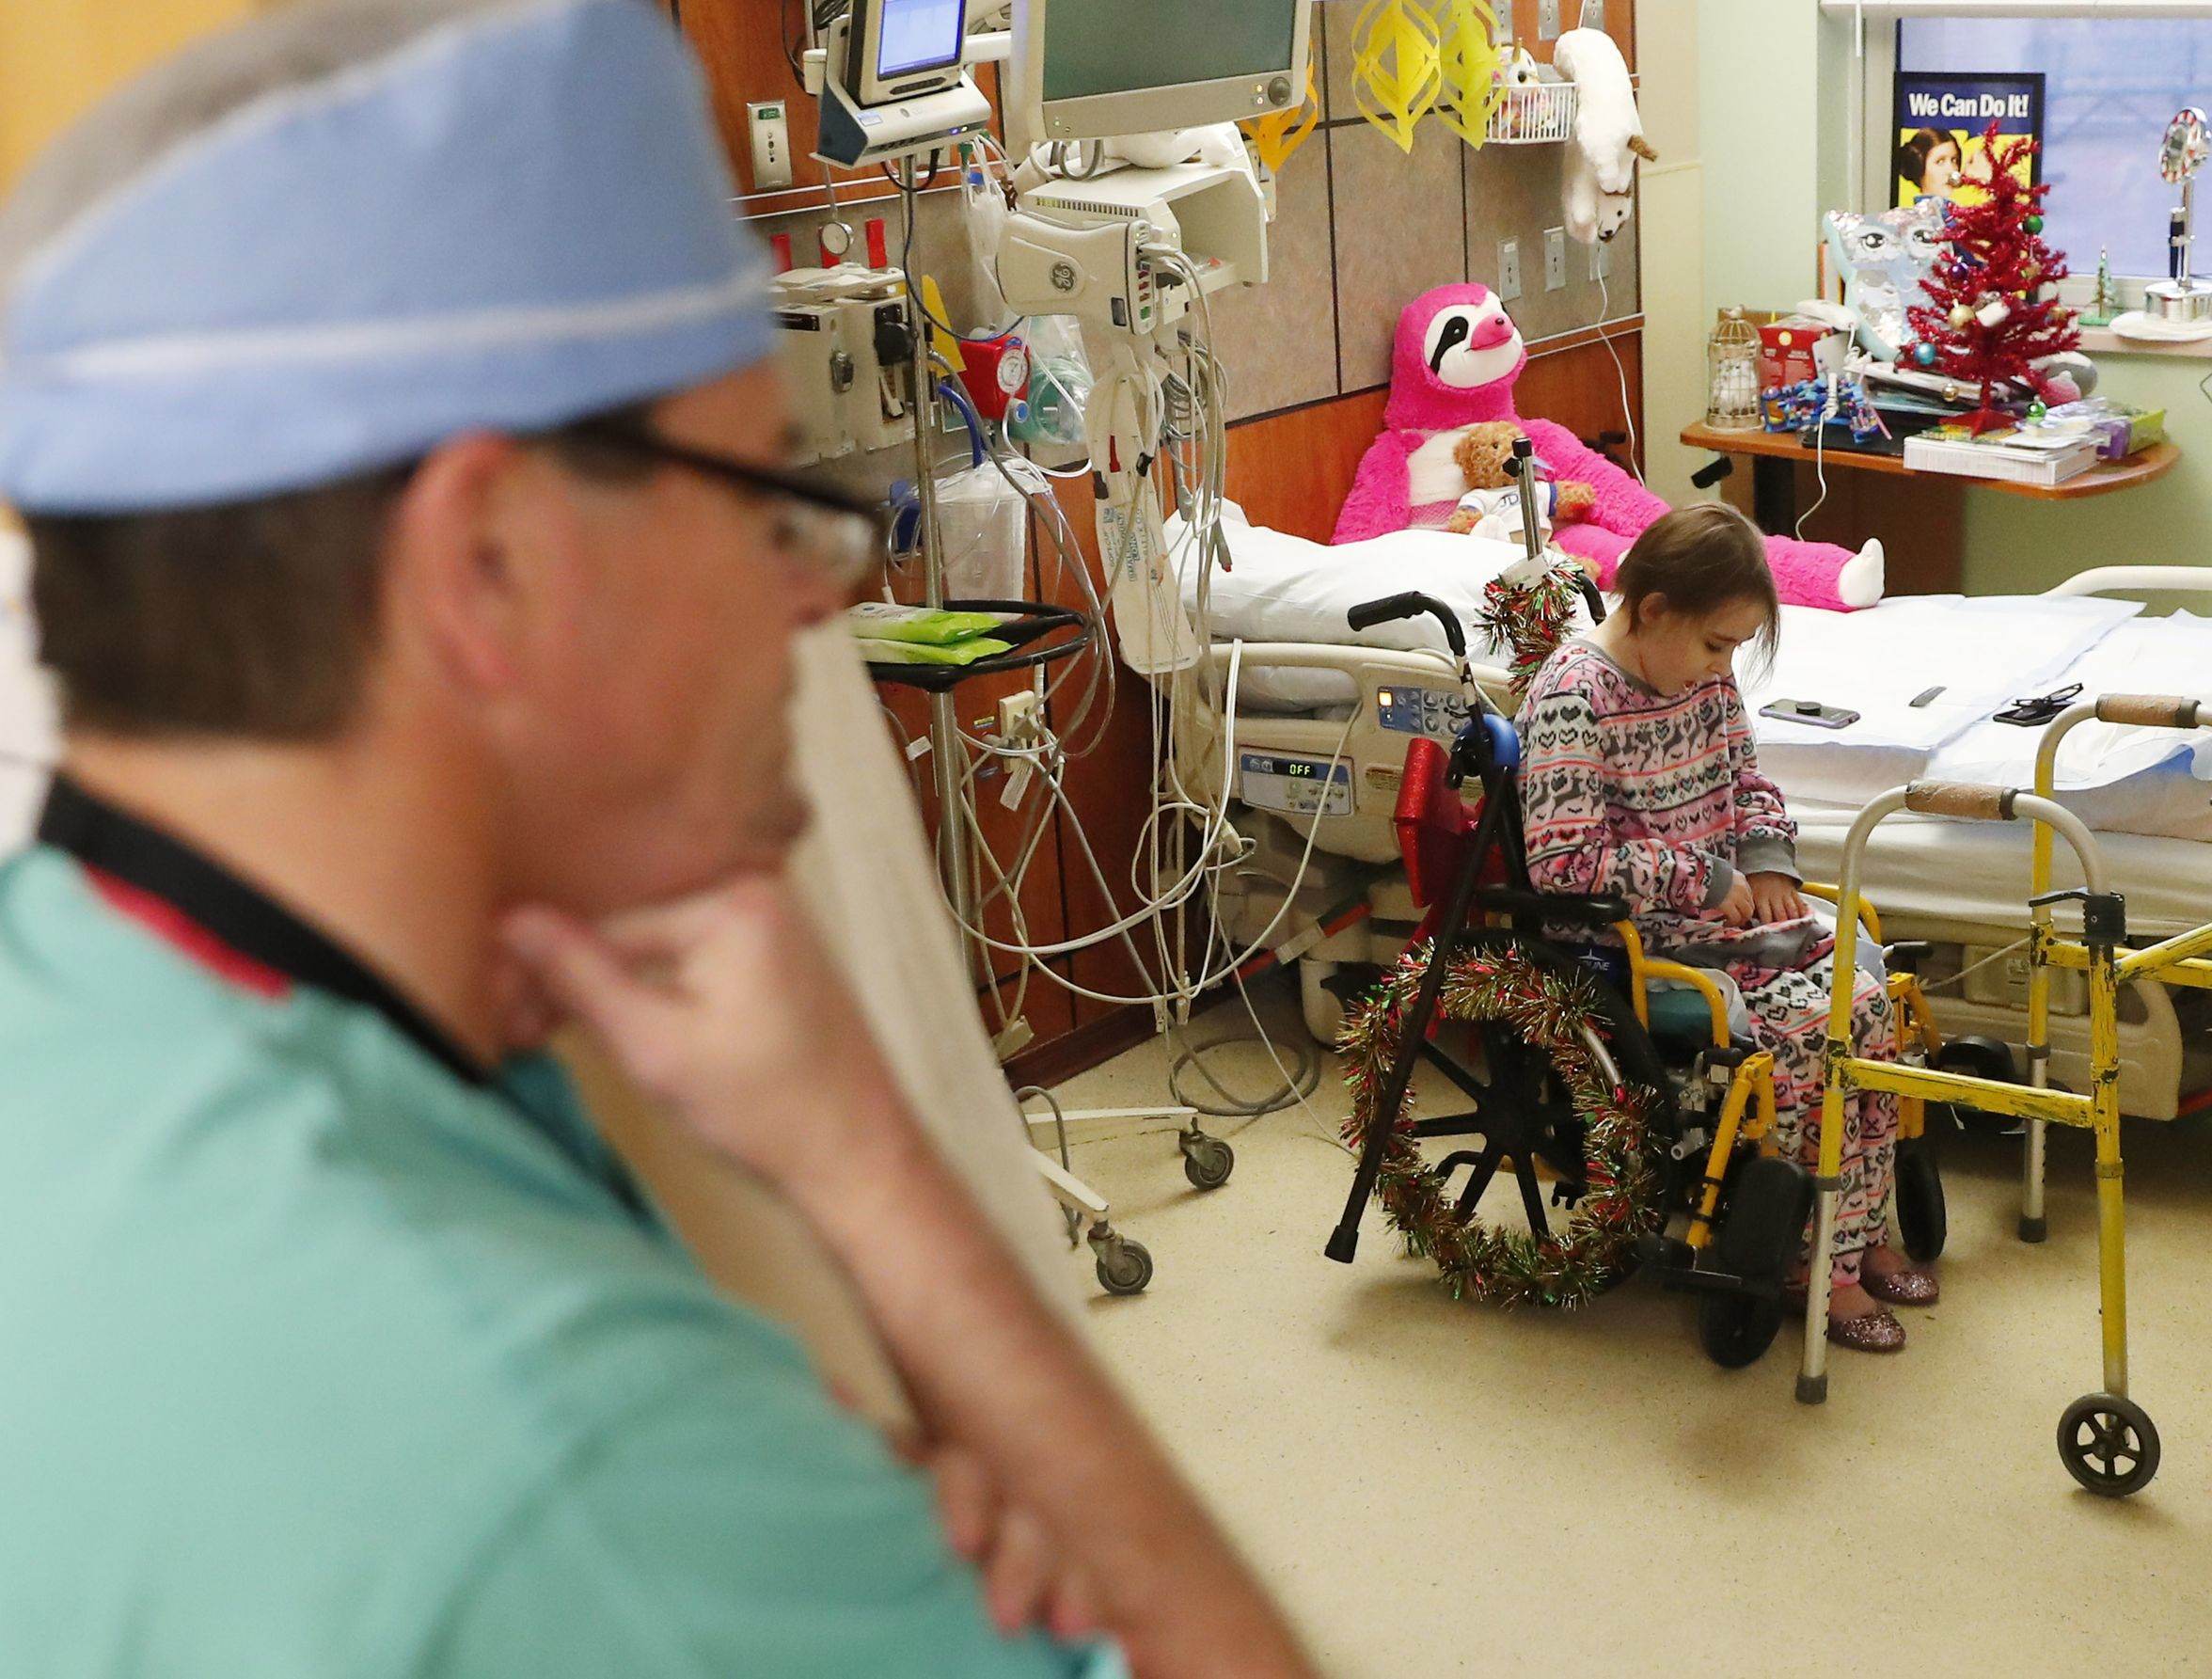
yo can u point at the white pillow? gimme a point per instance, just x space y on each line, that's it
1283 588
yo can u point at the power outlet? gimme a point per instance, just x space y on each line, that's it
1593 15
1547 20
1600 261
1508 269
1554 259
768 124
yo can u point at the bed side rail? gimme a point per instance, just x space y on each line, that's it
2127 579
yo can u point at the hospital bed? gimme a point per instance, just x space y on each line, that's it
1307 730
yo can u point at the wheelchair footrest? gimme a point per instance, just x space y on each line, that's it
1676 1263
1722 1282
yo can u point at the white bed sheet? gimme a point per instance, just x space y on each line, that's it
1982 652
2117 778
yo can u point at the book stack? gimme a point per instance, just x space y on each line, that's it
2036 456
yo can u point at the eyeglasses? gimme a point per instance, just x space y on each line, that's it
2040 708
841 532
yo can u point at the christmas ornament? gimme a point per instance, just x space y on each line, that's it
2036 412
1960 315
1993 262
1925 354
1559 1016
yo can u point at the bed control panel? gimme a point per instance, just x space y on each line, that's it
1296 787
1436 712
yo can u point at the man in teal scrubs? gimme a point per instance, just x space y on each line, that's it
382 386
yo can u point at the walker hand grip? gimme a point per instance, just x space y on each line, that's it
1391 607
2149 711
1970 799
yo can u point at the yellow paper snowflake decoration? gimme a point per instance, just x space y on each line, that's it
1469 63
1397 74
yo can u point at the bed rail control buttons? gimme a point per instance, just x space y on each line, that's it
1432 712
1297 786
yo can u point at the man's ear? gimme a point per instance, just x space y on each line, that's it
479 564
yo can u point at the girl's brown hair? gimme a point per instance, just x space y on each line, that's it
1698 560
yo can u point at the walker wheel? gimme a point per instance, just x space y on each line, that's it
1124 1267
2108 1445
1920 1215
1207 1161
1735 1329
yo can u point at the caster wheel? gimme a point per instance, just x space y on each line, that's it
2108 1445
1735 1329
1207 1162
1920 1215
1124 1267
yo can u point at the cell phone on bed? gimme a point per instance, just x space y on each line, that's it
1809 712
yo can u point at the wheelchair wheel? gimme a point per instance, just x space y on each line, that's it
1982 1058
1763 1216
1540 1089
1921 1216
1736 1329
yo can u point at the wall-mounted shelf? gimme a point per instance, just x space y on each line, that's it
1539 115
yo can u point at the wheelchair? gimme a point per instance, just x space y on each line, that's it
1720 1214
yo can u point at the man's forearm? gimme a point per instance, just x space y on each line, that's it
993 1368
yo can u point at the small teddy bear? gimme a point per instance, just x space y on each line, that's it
1491 506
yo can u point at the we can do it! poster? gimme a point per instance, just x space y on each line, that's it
1940 122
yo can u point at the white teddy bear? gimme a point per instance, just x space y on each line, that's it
1600 167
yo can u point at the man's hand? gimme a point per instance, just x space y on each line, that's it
1774 896
1738 908
726 1008
1027 1581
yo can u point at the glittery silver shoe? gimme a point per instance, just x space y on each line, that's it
1903 1288
1877 1332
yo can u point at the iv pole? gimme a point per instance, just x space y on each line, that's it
952 858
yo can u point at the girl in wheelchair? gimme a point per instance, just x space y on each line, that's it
1638 778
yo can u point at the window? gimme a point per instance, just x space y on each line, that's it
2111 87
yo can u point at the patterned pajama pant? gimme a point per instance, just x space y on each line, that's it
1788 1008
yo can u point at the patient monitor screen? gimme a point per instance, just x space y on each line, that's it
918 35
1119 46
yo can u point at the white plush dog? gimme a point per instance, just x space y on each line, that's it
1598 174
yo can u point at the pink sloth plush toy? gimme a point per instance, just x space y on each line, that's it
1458 356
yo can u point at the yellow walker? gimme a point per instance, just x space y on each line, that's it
2106 1440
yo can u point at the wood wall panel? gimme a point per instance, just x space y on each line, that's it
1291 471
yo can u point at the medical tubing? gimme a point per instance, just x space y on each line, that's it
1229 1105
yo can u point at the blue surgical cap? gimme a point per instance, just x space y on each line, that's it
409 219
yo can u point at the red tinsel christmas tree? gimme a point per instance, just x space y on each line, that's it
1993 304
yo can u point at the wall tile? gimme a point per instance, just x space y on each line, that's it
1513 192
1278 342
1401 230
1335 20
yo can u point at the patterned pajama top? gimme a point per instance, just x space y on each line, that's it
1657 797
